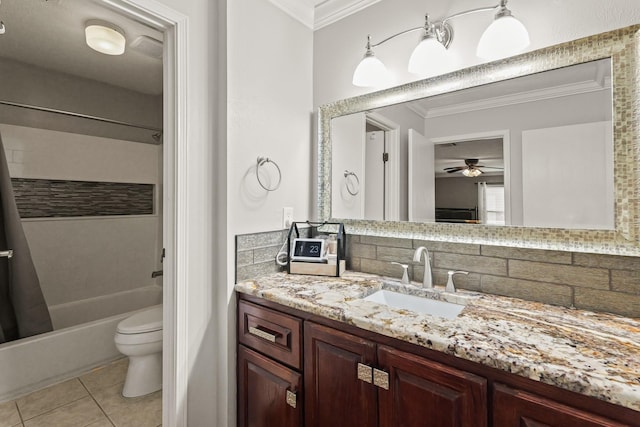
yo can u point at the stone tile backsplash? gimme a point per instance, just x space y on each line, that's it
587 281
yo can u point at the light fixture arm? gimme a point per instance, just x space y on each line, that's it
469 12
441 30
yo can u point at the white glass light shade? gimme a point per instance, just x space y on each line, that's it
429 58
109 41
471 172
504 37
371 72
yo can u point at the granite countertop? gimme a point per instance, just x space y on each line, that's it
595 354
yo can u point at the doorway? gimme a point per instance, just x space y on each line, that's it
382 150
173 26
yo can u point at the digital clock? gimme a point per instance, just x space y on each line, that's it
309 250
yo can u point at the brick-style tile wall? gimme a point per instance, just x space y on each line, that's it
46 198
256 253
588 281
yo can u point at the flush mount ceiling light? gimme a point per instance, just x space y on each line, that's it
504 37
104 37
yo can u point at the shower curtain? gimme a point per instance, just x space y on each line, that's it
23 311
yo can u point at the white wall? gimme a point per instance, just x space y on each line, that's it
269 113
32 85
269 108
339 47
575 109
85 257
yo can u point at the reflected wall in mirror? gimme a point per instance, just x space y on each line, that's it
548 158
534 151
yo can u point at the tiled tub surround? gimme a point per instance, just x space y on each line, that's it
593 354
608 283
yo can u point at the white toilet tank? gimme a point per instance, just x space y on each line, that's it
145 321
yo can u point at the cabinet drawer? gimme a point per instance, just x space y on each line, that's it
275 334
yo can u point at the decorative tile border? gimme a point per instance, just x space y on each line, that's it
621 45
46 198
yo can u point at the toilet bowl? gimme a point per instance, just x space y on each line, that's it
140 338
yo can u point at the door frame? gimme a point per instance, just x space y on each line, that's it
506 154
392 172
175 368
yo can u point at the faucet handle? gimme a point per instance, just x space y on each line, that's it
405 274
450 286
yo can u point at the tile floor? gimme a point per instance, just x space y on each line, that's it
91 400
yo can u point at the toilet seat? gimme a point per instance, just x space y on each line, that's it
138 339
146 321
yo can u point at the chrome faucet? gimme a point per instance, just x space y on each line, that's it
427 281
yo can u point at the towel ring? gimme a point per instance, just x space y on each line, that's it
261 162
347 174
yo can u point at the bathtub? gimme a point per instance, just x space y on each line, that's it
82 339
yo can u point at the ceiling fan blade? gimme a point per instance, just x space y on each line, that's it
490 167
455 168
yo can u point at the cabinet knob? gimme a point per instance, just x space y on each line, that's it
291 398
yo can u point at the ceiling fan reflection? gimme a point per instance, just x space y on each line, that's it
470 169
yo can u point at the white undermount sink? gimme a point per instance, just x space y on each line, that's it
418 304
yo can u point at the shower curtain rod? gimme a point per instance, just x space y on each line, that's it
79 115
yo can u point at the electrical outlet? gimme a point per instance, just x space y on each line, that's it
287 217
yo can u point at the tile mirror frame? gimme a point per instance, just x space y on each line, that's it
622 46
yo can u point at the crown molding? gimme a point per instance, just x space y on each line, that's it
302 10
329 11
518 98
316 14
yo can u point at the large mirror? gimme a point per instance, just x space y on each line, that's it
538 150
533 151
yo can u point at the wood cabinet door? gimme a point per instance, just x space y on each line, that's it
334 396
516 408
268 392
424 393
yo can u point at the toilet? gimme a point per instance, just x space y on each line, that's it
140 338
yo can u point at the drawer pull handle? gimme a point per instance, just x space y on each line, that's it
262 334
291 399
381 379
365 373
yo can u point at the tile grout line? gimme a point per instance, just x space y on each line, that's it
96 402
50 410
15 402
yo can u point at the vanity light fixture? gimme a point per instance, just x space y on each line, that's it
504 37
104 37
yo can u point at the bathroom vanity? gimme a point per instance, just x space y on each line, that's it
312 351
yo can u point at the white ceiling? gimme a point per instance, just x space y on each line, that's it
50 35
